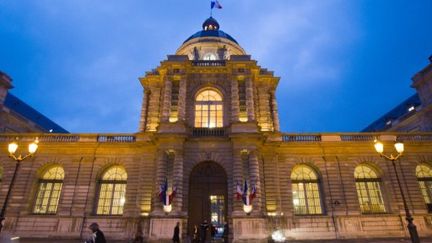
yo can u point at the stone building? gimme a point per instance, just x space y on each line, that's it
413 114
209 122
17 117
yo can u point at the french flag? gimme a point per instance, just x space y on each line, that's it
215 4
239 192
245 194
163 193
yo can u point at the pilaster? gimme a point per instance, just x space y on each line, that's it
182 99
166 105
235 109
250 99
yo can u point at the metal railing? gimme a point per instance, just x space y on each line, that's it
216 63
208 132
301 138
116 139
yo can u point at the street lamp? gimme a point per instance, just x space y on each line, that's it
379 147
12 148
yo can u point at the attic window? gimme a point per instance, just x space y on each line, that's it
411 108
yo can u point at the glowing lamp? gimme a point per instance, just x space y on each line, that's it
379 147
247 208
167 208
278 236
12 147
399 147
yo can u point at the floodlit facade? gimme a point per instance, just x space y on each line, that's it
209 122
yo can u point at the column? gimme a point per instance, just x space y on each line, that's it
178 180
153 109
182 99
166 105
250 99
254 172
161 173
144 108
235 109
237 178
275 115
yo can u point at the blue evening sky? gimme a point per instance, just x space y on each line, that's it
342 63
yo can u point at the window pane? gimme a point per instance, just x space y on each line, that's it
112 193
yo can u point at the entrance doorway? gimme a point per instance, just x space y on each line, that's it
208 197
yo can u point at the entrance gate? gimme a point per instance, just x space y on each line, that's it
207 196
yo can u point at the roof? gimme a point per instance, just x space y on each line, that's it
20 107
210 28
400 112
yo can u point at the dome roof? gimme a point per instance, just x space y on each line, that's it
210 28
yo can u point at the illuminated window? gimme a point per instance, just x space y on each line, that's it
305 190
112 191
175 90
242 101
49 190
424 177
208 109
368 190
209 57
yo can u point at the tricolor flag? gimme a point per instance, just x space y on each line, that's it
166 198
245 195
215 4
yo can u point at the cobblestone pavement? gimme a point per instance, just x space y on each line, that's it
429 240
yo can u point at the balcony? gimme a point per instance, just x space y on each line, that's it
201 63
208 132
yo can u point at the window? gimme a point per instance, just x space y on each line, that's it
242 101
49 190
368 190
112 191
209 57
305 190
424 177
208 109
175 90
1 174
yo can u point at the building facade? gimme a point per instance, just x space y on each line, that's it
209 123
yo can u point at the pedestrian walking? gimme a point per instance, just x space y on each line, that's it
203 231
176 236
97 234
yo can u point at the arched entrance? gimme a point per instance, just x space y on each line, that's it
208 195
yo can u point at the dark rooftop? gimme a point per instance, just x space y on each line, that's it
400 112
20 107
210 28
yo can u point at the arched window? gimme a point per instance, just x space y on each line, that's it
424 177
368 189
305 190
208 109
49 190
112 191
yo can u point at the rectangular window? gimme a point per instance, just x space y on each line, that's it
175 90
242 100
48 197
370 198
306 198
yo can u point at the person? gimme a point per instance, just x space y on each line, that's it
203 231
98 235
195 238
225 232
212 231
176 236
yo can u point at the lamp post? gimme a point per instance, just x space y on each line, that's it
12 148
379 147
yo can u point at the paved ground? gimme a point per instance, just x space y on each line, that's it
290 241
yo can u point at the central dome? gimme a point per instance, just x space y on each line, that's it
210 28
210 43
